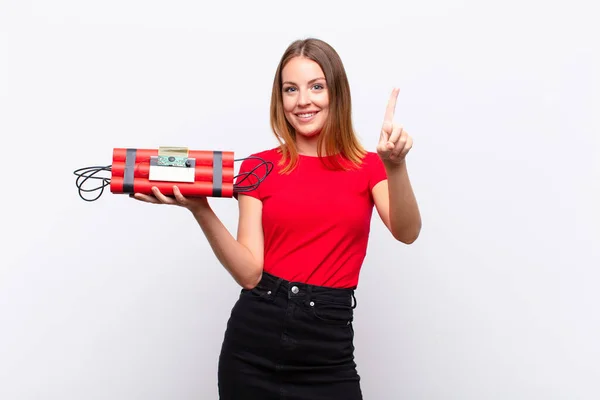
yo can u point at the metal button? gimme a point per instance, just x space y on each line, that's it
312 303
269 292
295 289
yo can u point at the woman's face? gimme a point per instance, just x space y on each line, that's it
305 96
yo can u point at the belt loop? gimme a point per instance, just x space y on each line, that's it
276 287
308 295
354 304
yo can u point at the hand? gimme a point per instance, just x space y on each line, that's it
394 141
193 204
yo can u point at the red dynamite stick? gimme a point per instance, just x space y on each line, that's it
213 173
142 170
203 157
196 189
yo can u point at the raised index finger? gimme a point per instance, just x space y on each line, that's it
391 106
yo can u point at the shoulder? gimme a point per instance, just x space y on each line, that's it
254 171
371 157
373 167
259 158
371 160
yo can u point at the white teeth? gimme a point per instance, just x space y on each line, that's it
306 115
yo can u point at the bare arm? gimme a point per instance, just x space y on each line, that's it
242 258
396 204
394 197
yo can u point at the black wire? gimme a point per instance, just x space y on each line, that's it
238 188
83 174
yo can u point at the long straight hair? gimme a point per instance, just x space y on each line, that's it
337 136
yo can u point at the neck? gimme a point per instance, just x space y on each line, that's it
308 146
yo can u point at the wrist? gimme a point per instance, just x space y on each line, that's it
394 165
200 211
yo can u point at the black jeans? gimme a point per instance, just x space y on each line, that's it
292 341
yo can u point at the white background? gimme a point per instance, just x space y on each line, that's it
120 300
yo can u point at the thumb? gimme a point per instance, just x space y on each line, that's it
386 132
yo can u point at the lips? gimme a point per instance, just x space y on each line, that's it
307 115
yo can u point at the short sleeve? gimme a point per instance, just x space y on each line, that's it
376 170
247 179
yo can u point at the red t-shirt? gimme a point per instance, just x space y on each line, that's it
316 221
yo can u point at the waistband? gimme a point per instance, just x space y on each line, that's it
308 292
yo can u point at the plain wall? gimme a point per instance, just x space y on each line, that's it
116 299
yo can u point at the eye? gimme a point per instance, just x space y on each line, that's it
318 86
289 89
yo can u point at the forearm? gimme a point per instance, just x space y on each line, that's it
234 256
405 218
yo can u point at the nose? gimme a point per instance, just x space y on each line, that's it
303 98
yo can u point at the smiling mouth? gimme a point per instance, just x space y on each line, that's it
307 115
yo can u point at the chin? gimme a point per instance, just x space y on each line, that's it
309 134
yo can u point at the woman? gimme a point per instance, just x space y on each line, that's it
303 233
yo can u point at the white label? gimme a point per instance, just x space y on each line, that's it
171 174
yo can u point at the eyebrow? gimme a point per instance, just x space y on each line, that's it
311 81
